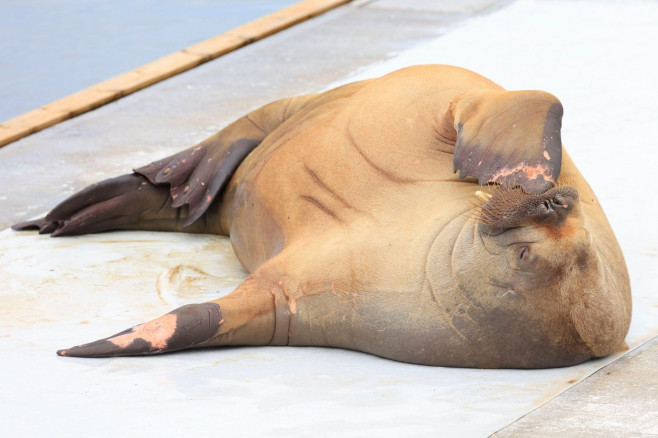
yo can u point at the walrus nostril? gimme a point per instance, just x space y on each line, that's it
565 202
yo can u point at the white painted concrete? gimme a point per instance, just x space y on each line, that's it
68 291
598 57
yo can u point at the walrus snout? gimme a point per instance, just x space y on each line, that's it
558 203
506 208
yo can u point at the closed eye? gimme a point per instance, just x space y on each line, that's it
523 253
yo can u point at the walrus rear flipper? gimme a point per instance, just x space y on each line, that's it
198 174
125 202
510 138
170 194
43 225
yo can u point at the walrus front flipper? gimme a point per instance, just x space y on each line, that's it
256 313
510 138
182 328
198 174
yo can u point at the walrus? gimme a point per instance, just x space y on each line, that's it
428 216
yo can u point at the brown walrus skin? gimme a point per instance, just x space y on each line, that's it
346 209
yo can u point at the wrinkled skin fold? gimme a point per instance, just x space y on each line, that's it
360 215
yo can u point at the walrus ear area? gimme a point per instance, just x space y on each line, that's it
511 138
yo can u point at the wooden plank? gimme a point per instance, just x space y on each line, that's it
160 69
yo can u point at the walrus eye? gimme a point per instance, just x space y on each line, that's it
522 253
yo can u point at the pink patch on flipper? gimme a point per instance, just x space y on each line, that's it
531 172
156 332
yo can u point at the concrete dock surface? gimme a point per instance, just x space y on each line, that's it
598 57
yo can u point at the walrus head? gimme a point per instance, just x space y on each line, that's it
540 240
530 271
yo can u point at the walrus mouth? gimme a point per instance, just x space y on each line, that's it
503 208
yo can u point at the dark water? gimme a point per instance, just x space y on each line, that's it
52 48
